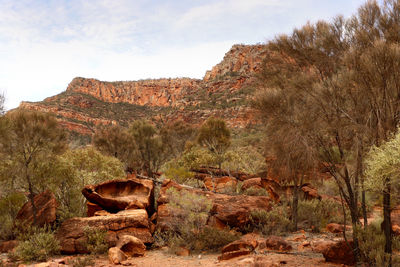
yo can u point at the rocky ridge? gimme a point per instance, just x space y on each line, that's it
224 92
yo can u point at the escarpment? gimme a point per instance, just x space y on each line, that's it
224 92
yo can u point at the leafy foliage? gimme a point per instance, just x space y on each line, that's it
216 137
115 141
39 247
9 207
150 149
76 168
189 229
96 240
31 138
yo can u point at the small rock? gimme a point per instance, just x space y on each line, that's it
335 228
183 252
131 246
116 256
275 243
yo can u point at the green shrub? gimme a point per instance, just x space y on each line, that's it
211 238
9 207
189 228
82 261
39 247
372 245
274 222
254 191
182 176
316 214
96 240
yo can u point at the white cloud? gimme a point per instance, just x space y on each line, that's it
44 44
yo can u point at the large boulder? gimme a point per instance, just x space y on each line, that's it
220 184
117 195
131 246
339 252
128 222
45 204
253 242
233 211
244 246
271 186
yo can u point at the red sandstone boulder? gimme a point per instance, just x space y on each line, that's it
251 242
271 186
274 243
116 195
310 192
335 228
340 252
253 182
7 246
46 205
233 211
243 246
116 255
92 209
131 246
71 233
395 217
220 184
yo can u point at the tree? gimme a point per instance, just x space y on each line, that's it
343 78
216 137
77 168
175 136
33 138
115 141
150 150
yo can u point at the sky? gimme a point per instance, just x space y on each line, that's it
45 44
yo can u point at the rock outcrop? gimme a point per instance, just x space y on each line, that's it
233 211
253 242
339 252
224 92
117 195
45 204
161 92
72 237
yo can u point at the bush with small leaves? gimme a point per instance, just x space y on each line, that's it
189 228
82 261
41 245
316 214
9 207
372 245
96 240
274 222
254 191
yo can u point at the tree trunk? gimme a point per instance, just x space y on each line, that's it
32 199
295 205
364 206
387 222
355 224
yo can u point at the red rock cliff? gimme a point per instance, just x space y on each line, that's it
161 92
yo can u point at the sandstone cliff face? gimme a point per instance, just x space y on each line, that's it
242 60
224 92
162 92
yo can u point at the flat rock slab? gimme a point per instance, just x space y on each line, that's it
131 222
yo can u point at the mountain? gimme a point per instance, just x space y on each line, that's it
224 92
